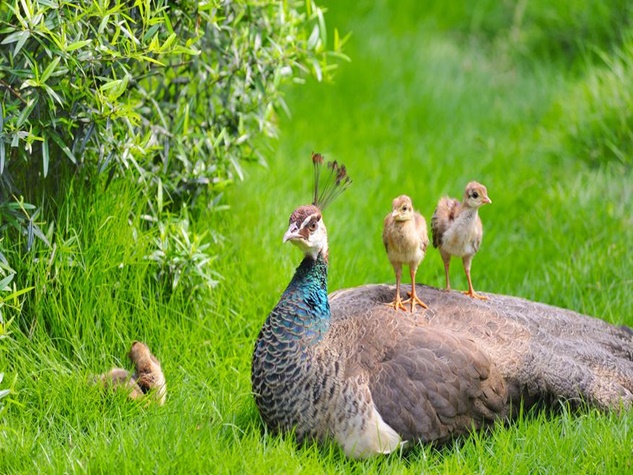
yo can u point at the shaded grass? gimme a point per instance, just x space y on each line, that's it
421 110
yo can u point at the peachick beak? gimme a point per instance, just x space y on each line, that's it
487 200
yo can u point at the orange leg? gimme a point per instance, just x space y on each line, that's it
471 292
414 298
397 302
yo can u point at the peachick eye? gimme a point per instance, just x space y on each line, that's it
475 194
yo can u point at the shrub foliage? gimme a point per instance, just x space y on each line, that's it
174 95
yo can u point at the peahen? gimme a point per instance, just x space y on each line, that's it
355 370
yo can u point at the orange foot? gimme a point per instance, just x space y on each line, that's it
415 300
472 294
397 304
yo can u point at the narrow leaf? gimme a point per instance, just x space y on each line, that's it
313 39
104 23
20 43
6 281
29 234
16 294
2 156
53 95
322 28
59 141
45 157
317 70
50 68
26 112
77 45
12 38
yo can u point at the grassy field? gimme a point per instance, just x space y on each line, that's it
431 100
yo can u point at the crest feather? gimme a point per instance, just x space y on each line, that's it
336 181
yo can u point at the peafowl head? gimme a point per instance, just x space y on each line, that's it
307 231
306 228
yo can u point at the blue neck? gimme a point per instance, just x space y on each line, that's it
303 312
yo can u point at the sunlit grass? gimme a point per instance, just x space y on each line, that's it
420 112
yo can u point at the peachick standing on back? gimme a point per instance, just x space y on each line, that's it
406 239
457 230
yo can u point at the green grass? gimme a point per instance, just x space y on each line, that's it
421 109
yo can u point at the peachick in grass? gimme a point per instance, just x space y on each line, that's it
148 378
350 368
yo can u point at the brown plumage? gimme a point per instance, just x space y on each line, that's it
457 230
477 360
119 378
148 378
405 238
149 374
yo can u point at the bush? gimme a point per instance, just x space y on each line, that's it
173 96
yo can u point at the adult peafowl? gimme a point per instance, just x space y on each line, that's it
353 369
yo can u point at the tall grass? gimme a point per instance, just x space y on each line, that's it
425 106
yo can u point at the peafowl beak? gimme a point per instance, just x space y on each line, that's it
292 234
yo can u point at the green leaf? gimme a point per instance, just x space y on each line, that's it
317 70
18 46
60 143
77 44
322 28
159 196
104 23
6 281
151 60
314 38
170 28
26 112
45 157
50 68
115 88
49 90
2 151
29 83
2 156
16 294
13 37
